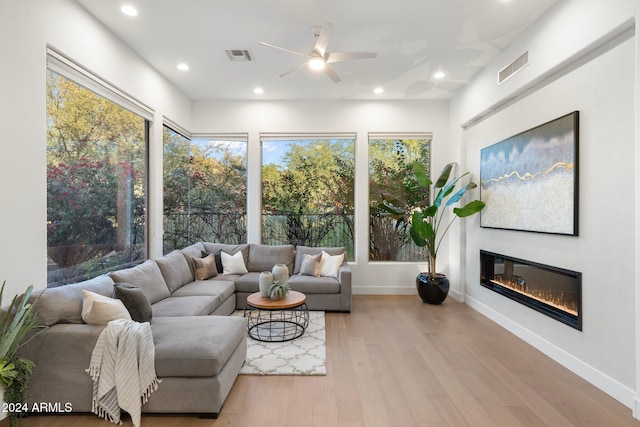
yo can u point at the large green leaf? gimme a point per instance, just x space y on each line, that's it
444 176
419 224
417 239
469 209
430 211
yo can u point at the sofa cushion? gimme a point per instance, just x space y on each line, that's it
216 248
135 300
264 257
185 306
205 268
193 251
216 288
175 269
99 310
301 250
248 282
195 346
146 276
64 303
314 285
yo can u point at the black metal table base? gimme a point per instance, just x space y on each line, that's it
276 325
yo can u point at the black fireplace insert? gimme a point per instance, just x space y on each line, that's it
554 291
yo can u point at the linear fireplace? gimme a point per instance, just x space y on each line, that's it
553 291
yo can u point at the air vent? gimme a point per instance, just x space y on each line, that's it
239 55
513 68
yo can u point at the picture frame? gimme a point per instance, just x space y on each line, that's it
529 181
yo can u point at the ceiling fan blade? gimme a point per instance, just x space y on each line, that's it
347 56
328 69
323 40
282 48
294 68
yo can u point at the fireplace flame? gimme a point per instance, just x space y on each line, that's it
555 299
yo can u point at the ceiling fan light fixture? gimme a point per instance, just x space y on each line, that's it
316 63
129 10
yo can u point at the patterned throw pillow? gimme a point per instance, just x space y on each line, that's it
311 265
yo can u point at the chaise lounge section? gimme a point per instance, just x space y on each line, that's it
199 348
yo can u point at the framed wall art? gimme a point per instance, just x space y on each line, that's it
529 181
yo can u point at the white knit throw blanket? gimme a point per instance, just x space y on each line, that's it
123 370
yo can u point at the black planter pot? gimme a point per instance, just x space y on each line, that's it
432 290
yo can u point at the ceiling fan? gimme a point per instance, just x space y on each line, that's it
318 58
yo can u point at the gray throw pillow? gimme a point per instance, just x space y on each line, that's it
310 265
135 300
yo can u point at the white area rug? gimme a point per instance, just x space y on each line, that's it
302 356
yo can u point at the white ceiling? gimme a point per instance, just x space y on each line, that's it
413 39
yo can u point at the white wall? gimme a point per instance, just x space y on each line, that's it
254 117
583 56
26 28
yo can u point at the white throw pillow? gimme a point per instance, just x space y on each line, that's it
100 310
330 264
233 264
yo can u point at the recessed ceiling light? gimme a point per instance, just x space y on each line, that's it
438 75
258 91
129 10
183 67
378 90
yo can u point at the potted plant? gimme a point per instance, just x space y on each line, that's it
428 223
16 324
278 290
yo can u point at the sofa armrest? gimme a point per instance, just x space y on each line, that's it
61 354
344 278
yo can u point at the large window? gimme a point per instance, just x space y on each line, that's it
205 190
390 171
96 183
308 190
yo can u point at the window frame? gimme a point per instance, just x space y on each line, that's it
66 68
417 256
324 136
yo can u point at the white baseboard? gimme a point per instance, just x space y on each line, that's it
384 290
397 290
613 388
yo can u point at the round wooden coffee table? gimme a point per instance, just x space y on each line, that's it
276 320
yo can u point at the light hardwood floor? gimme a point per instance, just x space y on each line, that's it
394 361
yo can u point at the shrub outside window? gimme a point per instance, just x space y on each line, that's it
205 190
96 183
308 190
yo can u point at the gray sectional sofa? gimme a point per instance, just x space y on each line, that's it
199 348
